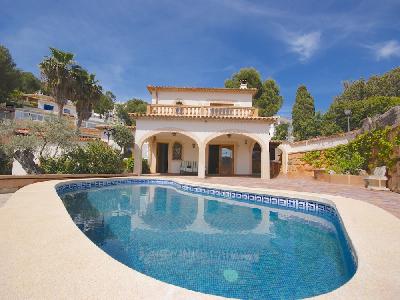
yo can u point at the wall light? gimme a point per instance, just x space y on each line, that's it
174 134
229 135
194 146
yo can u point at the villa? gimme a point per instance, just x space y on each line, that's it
204 131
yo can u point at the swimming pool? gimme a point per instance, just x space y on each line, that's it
220 242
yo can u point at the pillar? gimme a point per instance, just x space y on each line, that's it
265 162
138 160
152 156
202 161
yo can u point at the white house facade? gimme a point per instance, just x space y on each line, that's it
203 131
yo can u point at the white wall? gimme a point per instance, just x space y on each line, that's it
206 132
202 98
201 130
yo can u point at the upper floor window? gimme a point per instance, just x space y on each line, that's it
48 107
67 111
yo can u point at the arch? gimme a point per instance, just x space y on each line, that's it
233 131
167 130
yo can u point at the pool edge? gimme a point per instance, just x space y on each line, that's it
367 226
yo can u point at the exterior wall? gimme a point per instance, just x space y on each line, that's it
203 133
297 166
188 152
241 151
290 149
201 130
201 98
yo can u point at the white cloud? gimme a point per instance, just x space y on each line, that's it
387 49
305 45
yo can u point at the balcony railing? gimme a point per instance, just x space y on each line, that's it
201 111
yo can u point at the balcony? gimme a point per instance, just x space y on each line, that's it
201 111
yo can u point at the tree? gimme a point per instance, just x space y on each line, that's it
123 136
365 98
130 106
281 132
41 140
106 104
252 76
303 115
57 77
270 100
28 83
8 74
86 93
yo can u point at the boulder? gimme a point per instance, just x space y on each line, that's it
389 118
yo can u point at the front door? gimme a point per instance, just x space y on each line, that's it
226 161
213 160
162 158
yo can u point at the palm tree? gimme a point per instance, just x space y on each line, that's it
56 76
86 93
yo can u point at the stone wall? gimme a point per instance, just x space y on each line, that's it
297 167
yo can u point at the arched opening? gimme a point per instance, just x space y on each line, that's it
171 153
256 160
231 154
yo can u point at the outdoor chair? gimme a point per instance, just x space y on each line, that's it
188 167
377 181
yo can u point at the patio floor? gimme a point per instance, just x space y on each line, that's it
389 201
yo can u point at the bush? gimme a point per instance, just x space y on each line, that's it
94 158
6 163
129 164
366 151
145 166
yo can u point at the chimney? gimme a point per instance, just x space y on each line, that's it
243 84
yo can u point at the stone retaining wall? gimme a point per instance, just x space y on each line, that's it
12 183
296 166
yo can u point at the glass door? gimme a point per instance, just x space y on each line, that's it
226 161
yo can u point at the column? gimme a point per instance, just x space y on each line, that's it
152 156
138 159
265 162
202 161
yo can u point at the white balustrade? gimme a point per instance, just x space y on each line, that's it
201 111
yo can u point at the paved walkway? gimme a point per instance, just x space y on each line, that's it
389 201
4 198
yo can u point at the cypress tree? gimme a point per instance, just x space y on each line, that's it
303 115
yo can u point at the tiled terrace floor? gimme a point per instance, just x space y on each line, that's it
389 201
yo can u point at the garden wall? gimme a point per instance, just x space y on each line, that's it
11 183
293 152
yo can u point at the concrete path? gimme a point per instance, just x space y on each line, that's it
389 201
4 198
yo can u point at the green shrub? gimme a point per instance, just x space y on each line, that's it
6 163
366 151
129 164
94 158
145 166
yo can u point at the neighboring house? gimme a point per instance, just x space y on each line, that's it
215 131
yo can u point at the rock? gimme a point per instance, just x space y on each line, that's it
389 118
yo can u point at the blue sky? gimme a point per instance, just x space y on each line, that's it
130 44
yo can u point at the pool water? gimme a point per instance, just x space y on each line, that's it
213 245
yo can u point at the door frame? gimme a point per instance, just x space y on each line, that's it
157 153
232 146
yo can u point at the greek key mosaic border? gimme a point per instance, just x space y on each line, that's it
308 206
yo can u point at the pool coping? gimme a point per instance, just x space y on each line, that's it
44 254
